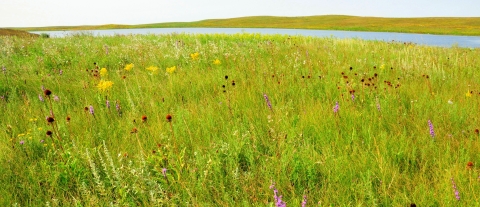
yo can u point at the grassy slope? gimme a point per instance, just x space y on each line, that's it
440 25
12 32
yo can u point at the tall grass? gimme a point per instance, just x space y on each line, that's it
237 114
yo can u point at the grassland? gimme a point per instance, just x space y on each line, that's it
18 33
339 122
440 25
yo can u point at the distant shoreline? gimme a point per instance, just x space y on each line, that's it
428 25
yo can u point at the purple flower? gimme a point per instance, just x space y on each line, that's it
454 186
56 98
353 97
278 199
164 172
430 125
91 110
108 104
336 107
41 141
40 97
304 202
22 142
268 101
61 72
43 88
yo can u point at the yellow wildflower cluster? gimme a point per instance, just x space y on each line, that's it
195 56
469 94
171 69
104 85
103 72
153 69
128 67
217 62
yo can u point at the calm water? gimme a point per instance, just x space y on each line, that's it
421 39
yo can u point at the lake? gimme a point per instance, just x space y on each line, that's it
421 39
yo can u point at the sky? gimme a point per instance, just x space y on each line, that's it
38 13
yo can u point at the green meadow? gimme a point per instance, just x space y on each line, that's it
237 120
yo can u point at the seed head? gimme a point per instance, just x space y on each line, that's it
169 118
47 92
144 118
49 133
50 119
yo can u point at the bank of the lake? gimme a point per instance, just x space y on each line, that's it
469 26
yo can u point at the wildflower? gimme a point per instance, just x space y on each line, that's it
47 92
164 172
108 104
336 107
104 85
56 98
304 202
450 102
129 67
60 72
144 118
103 72
278 199
90 109
171 69
68 119
432 132
40 97
49 133
454 186
153 69
134 130
353 97
195 56
469 94
106 49
382 66
469 165
267 101
42 141
378 105
169 118
117 106
22 142
217 62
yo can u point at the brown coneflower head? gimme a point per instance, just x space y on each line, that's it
47 92
144 118
134 130
169 117
469 165
50 119
68 119
477 131
49 133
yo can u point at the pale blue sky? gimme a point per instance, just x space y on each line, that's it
33 13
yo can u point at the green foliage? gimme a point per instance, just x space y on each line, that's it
224 146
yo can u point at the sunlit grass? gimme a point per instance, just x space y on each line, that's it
215 120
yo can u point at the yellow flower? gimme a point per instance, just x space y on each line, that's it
152 68
468 94
20 135
103 71
128 67
39 128
217 62
171 69
382 66
195 55
104 85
